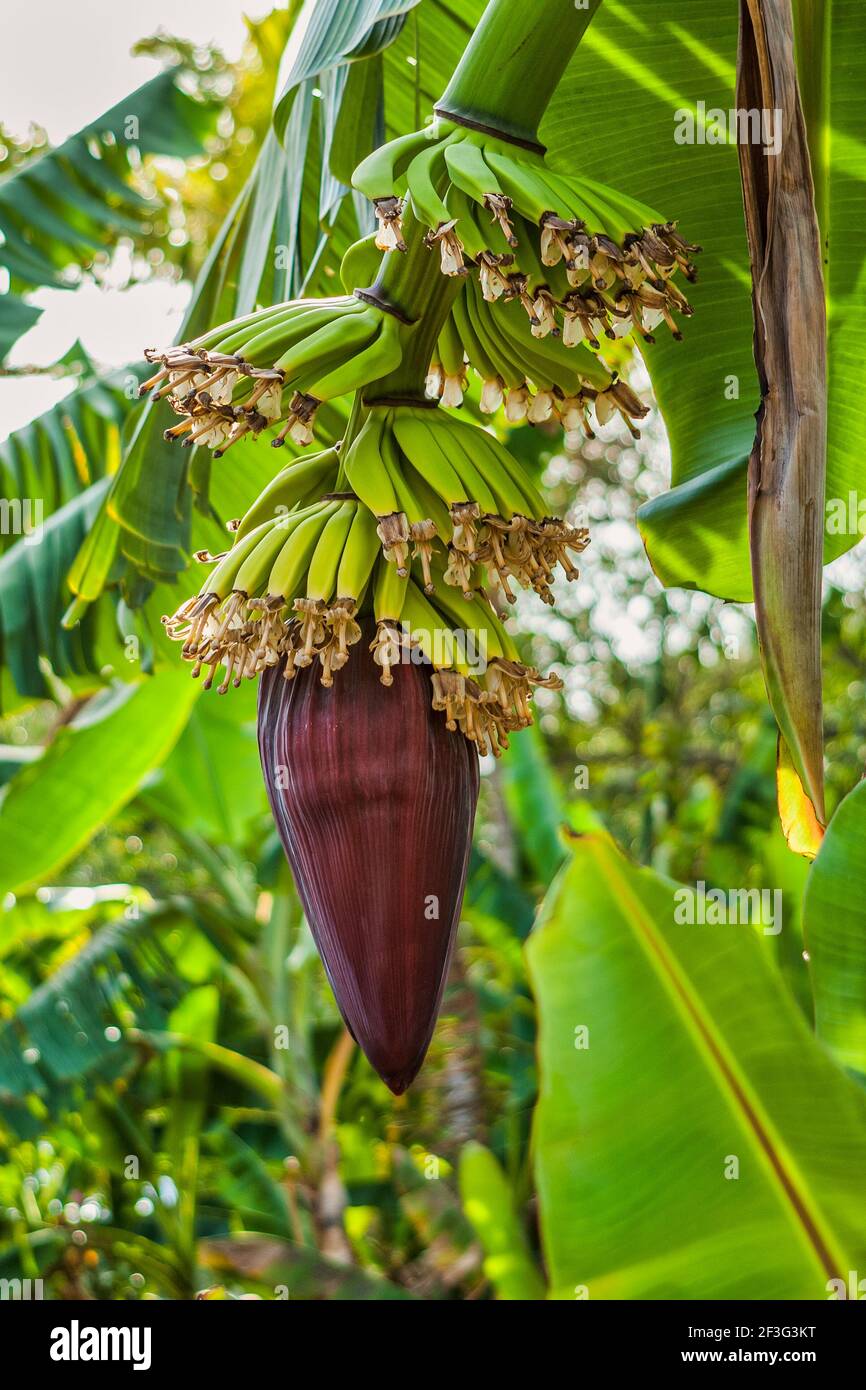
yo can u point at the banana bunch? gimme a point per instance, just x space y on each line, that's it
536 379
274 366
439 513
478 680
429 478
287 591
583 260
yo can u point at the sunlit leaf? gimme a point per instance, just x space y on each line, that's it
834 928
489 1204
92 768
692 1139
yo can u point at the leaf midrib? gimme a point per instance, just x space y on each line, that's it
754 1121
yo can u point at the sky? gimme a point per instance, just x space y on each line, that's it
80 64
81 61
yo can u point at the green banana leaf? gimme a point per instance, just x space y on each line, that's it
72 1027
211 782
834 929
672 1056
91 769
635 68
60 453
659 65
54 469
57 211
535 803
188 1077
489 1205
328 32
33 597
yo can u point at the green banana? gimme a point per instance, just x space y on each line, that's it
378 176
538 370
221 579
494 346
389 592
427 631
461 209
474 616
361 263
257 566
366 472
328 554
638 213
527 260
450 347
289 487
259 318
424 176
383 355
359 556
503 460
522 184
508 499
318 353
491 359
289 567
567 367
418 443
603 215
568 200
451 437
407 500
277 334
470 171
465 329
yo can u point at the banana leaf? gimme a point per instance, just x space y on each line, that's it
670 72
672 1057
834 929
59 210
90 770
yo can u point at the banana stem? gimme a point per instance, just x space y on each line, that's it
515 59
504 82
413 283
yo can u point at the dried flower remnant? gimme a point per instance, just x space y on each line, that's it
389 233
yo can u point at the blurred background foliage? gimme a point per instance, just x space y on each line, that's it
181 1110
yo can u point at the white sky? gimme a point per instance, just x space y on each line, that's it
79 59
61 64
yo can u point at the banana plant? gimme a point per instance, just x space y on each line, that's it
366 583
395 539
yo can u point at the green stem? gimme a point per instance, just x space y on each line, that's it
413 284
504 81
514 62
